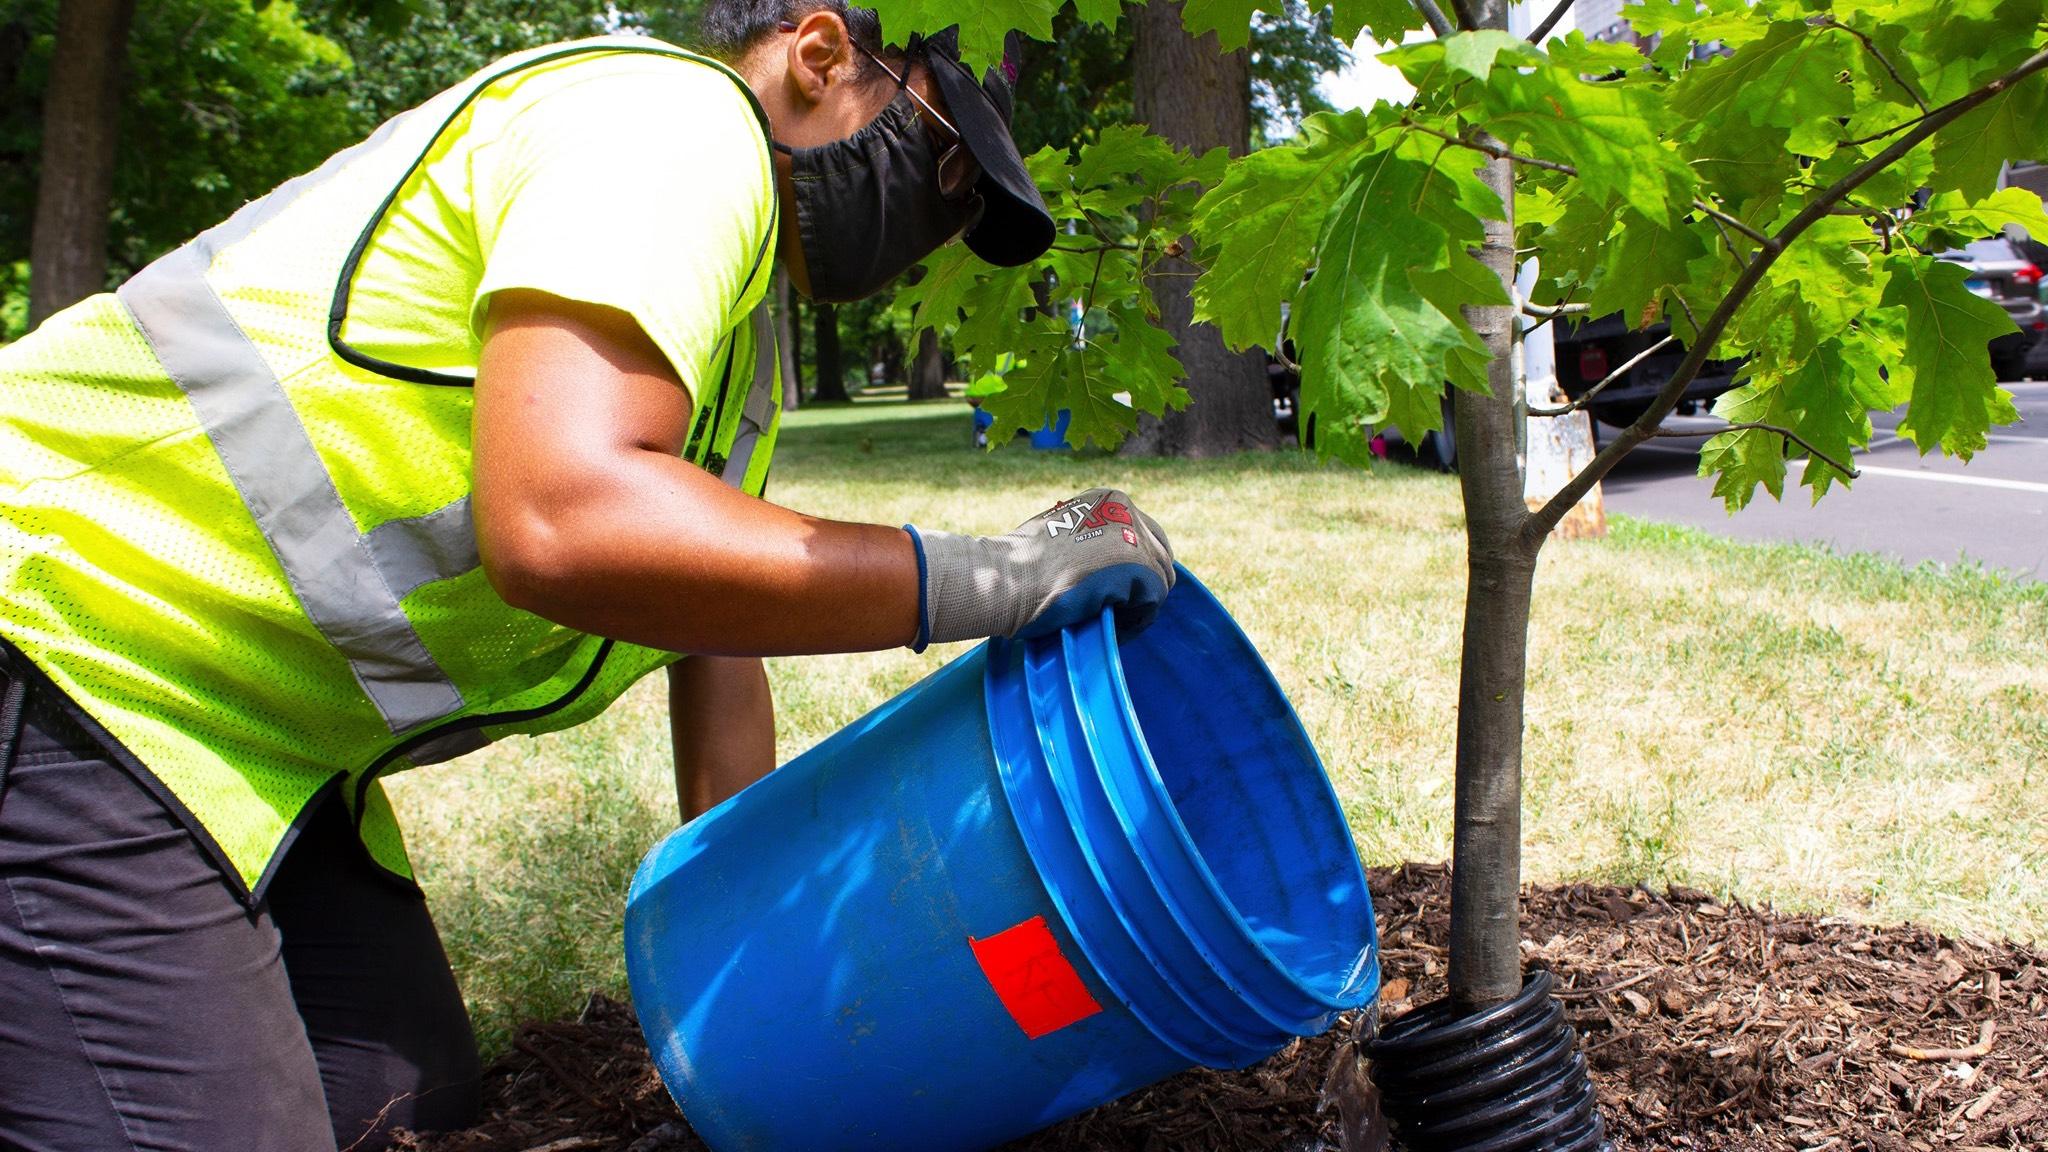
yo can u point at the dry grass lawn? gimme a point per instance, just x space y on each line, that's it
1776 723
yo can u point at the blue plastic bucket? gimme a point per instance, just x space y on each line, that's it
1047 875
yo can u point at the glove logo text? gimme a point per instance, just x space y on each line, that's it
1086 521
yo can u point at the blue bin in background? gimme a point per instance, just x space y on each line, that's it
1048 874
1053 437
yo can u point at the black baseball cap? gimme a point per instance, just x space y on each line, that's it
1014 227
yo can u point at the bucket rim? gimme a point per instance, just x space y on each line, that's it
1363 980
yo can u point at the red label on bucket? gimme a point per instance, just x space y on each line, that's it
1040 989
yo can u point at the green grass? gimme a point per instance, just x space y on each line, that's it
1775 722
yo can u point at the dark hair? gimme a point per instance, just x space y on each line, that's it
728 28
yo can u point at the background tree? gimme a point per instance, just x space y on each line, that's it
928 368
827 364
219 103
81 123
1196 97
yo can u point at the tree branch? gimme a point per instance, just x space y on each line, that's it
1550 21
1553 311
1734 222
1611 377
1827 20
1964 103
1728 240
1498 152
1438 22
1845 469
1539 525
1468 20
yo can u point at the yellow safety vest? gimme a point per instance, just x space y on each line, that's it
244 547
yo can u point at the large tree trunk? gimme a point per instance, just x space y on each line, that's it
825 354
1198 97
81 126
928 370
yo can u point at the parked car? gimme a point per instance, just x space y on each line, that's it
2000 273
1590 350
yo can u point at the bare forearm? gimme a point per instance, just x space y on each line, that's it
722 719
586 514
666 556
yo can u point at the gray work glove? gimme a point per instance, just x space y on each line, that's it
1061 567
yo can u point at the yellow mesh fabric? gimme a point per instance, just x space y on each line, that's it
381 834
132 573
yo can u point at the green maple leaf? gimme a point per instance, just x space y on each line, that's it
1952 213
1613 134
1600 57
1791 79
1387 20
1139 362
1103 12
1948 47
1048 372
1128 151
1831 414
1467 54
1955 397
938 298
1575 244
1374 344
1259 225
1685 22
1645 262
1823 399
1032 391
1969 152
1230 20
1740 461
983 25
1827 271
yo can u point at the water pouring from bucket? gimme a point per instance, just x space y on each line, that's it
1049 874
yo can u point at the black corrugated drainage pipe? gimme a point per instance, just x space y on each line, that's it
1508 1079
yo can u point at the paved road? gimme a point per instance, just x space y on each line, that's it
1993 510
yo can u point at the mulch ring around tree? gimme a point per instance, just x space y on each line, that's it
1707 1025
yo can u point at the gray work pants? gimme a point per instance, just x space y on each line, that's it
144 1005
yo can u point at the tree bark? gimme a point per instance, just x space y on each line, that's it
81 127
928 370
1486 851
825 354
1198 97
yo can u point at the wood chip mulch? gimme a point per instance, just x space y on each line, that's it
1708 1026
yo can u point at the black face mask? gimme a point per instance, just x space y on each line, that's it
868 207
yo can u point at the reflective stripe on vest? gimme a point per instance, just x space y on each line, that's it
332 568
349 583
764 396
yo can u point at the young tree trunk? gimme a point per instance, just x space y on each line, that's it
786 340
928 370
825 354
81 125
1486 852
1196 96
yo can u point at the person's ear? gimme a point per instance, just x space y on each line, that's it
820 52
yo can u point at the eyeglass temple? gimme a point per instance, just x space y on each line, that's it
910 49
